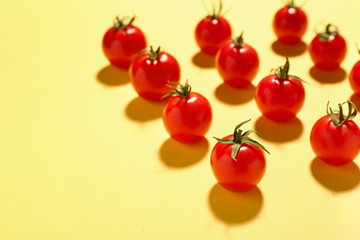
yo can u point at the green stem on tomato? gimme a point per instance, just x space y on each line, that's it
337 117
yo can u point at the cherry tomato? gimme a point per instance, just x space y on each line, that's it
290 23
328 49
212 32
335 138
237 161
280 96
187 115
122 41
354 77
151 72
237 63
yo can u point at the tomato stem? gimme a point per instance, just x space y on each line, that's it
240 138
330 30
119 23
282 72
154 54
338 117
183 90
239 40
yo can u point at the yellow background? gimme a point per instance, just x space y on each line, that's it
82 157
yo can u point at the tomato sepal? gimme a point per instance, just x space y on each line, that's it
337 117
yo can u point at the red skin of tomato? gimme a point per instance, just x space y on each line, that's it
187 119
241 175
290 24
212 33
328 55
120 45
335 145
279 100
236 65
150 77
354 77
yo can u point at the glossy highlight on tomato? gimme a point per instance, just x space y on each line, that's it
290 23
212 32
237 63
237 161
328 49
152 71
280 96
122 41
187 115
335 138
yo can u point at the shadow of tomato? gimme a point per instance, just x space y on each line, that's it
288 50
234 96
112 76
235 208
175 154
336 178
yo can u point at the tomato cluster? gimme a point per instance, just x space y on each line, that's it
238 161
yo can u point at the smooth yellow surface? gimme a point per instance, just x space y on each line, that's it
83 158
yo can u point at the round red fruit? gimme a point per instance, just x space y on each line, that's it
212 32
187 115
237 63
237 161
335 138
280 96
290 23
151 72
354 77
328 49
122 41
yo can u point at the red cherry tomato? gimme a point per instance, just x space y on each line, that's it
212 32
237 63
280 96
151 72
290 23
187 115
121 42
335 138
328 49
354 77
237 161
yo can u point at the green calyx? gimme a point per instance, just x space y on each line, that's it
239 40
290 4
215 13
282 72
240 138
120 23
338 117
183 90
154 54
330 30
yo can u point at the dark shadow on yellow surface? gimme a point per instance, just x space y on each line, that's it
234 96
355 98
179 155
142 110
289 50
323 76
203 60
278 131
113 76
235 208
336 178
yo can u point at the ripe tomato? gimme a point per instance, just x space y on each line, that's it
335 138
122 41
151 72
237 63
237 161
290 23
354 77
328 49
187 115
212 32
280 96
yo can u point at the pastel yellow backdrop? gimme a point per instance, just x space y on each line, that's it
82 157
